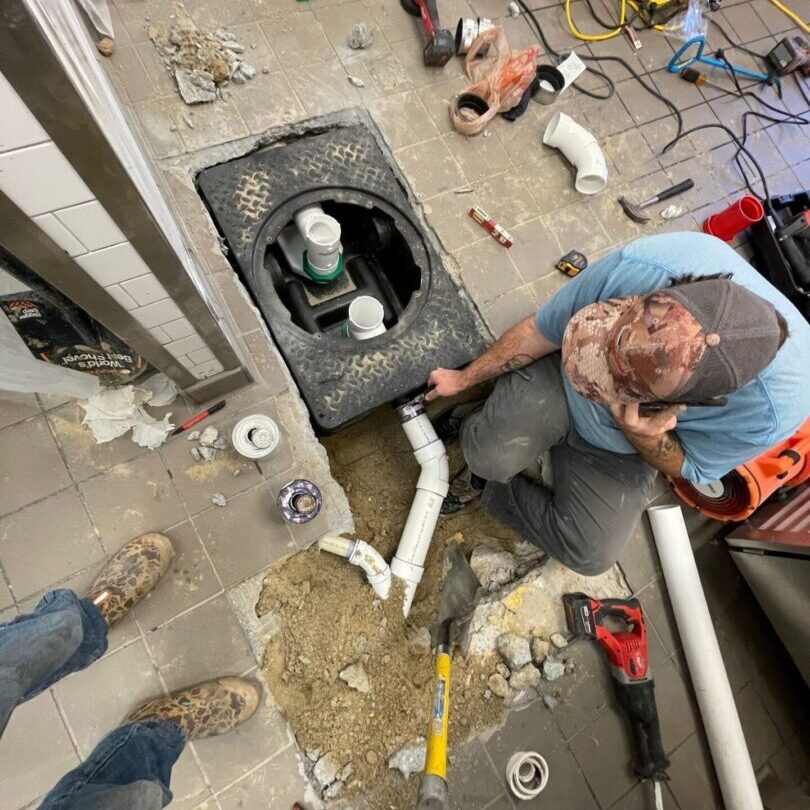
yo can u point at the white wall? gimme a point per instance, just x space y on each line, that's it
37 177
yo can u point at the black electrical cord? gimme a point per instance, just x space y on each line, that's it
652 91
547 45
608 26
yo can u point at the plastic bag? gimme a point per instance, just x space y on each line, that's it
499 78
690 23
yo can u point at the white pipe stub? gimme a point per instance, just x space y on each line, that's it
256 436
366 315
526 774
581 149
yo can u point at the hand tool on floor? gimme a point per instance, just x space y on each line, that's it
459 597
498 232
634 210
199 417
682 58
441 44
572 264
696 77
633 684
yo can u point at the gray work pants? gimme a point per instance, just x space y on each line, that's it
598 496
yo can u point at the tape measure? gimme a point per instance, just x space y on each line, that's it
572 264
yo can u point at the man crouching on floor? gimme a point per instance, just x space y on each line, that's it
676 320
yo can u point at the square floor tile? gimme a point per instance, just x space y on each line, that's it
188 784
16 407
760 732
6 599
587 693
268 100
487 270
225 759
535 249
46 542
402 119
471 778
245 536
131 499
566 789
529 729
35 752
83 454
196 481
32 465
189 580
677 709
97 699
277 783
692 777
430 168
206 643
505 311
478 157
604 752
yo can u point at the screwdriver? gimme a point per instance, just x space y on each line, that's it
696 77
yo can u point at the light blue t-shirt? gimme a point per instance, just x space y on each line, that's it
762 413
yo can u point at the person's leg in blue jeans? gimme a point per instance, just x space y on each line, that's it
66 633
131 767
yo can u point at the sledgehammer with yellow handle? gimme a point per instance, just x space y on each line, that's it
459 595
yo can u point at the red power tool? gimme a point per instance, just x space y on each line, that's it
629 666
441 44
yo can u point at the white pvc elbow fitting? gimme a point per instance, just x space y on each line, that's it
581 149
365 557
365 318
321 234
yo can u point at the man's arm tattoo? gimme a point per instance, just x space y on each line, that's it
667 444
516 362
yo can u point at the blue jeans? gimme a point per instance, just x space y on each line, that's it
130 768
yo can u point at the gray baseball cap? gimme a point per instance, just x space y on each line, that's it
743 335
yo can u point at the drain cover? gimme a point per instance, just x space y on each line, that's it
254 197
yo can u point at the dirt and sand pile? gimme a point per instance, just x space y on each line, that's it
353 676
202 62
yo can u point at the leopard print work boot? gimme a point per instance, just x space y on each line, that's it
130 574
204 710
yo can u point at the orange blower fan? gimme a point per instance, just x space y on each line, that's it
739 493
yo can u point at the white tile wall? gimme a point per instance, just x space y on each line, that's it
145 289
157 314
39 180
60 234
122 297
114 264
91 225
18 127
178 329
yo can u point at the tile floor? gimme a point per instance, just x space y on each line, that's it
103 496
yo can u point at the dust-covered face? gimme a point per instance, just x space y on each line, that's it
634 349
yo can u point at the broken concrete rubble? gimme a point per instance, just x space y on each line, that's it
493 568
558 640
200 61
514 650
525 678
356 677
540 649
532 606
361 36
410 758
553 669
498 684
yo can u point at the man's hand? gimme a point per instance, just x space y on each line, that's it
446 383
630 420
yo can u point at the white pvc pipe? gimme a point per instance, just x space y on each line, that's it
720 719
322 236
580 148
366 315
364 556
431 488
